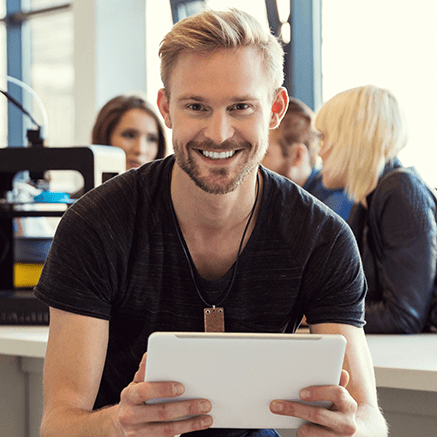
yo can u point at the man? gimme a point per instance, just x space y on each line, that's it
150 248
292 153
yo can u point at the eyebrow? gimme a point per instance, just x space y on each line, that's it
196 98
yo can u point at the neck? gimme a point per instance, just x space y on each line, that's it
300 174
213 224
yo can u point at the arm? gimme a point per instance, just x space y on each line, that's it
73 367
355 411
399 259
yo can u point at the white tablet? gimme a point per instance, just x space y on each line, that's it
242 373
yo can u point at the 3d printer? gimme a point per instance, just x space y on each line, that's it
96 164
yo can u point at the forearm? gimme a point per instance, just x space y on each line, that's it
370 422
73 422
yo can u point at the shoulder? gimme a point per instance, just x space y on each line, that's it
402 200
405 187
122 197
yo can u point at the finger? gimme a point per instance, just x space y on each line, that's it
165 411
310 429
343 406
139 375
139 393
317 417
338 426
337 395
137 417
179 427
344 378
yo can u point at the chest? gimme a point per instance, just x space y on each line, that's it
214 257
267 282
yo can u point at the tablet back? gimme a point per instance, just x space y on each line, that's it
242 373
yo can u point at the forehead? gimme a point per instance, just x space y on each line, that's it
137 117
224 72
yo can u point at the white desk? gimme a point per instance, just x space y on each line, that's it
406 377
405 369
407 362
24 341
22 351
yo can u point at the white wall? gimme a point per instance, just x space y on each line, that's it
110 56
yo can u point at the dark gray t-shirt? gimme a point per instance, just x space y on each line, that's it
116 256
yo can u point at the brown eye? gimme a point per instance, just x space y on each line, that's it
195 107
152 138
128 134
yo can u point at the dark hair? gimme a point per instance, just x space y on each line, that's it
303 132
111 113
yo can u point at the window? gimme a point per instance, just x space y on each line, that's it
392 45
52 73
46 65
257 8
157 29
3 85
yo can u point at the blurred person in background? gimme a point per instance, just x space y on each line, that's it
394 216
292 153
130 123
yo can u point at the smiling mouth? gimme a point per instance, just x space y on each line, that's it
218 155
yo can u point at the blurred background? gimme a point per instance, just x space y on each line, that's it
78 54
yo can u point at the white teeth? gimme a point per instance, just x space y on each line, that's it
217 155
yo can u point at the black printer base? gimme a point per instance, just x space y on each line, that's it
21 307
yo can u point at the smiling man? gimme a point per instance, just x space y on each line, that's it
206 231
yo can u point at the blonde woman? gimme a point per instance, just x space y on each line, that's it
394 215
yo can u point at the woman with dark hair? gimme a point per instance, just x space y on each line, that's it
130 123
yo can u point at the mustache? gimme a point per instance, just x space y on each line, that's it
228 145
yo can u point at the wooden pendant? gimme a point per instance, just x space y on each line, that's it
214 319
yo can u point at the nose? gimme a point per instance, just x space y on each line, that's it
219 127
139 147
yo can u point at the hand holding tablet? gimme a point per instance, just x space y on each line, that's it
240 374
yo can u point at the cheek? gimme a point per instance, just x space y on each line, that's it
152 150
183 132
120 142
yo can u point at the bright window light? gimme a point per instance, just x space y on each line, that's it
390 44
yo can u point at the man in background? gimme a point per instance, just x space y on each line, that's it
292 152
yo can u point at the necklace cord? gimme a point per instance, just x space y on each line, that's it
234 272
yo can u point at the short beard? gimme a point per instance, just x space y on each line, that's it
189 166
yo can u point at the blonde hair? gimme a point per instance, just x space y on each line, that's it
365 128
213 30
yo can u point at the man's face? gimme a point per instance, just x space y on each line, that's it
220 110
278 157
287 155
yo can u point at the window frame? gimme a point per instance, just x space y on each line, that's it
19 66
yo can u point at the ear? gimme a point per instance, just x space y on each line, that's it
164 107
299 154
279 107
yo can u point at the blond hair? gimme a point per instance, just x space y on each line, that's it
211 30
365 128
